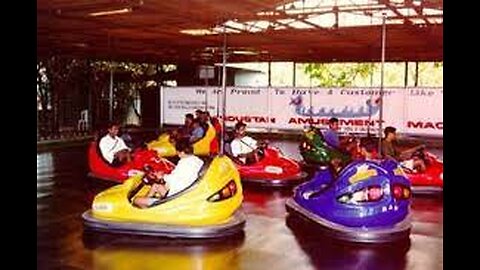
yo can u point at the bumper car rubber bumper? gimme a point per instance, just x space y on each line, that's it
399 232
233 226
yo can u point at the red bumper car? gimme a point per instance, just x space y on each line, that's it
271 169
429 181
101 169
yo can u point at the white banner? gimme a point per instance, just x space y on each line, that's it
415 111
178 101
424 111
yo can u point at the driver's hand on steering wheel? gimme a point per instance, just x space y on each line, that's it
262 144
155 174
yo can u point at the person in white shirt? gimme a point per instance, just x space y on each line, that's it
184 174
244 147
113 148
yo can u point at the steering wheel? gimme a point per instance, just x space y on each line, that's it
149 177
261 147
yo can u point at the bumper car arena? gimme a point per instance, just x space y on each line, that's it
240 134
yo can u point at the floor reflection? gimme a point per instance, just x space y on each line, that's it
329 253
140 252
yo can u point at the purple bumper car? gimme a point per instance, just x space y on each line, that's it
368 202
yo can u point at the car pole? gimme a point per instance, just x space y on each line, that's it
224 89
384 16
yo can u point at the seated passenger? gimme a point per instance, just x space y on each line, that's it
331 135
389 150
187 125
417 163
203 119
198 114
244 147
332 139
184 131
113 148
197 133
184 174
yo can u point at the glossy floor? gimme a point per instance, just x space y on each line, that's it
270 241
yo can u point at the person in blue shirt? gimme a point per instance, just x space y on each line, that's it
331 135
198 132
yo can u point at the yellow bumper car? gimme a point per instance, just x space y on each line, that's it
208 208
204 147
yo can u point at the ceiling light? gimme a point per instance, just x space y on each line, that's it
110 12
417 2
197 32
81 45
268 13
245 52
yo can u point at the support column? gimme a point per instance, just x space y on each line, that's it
406 74
416 74
294 83
380 124
269 73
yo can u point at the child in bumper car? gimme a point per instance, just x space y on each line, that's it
184 174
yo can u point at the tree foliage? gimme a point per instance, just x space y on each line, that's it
339 75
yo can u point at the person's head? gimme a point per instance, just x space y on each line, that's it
333 123
390 133
207 117
198 113
183 147
240 128
188 119
204 117
113 129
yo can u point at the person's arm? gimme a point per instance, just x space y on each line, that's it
253 143
122 145
406 153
